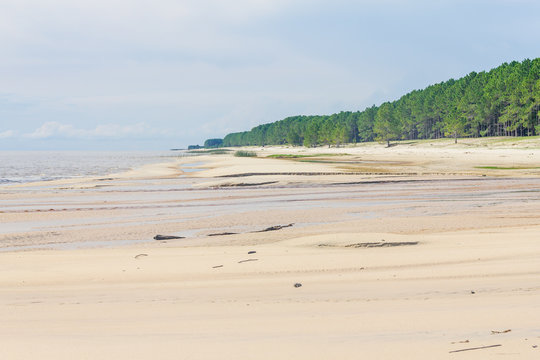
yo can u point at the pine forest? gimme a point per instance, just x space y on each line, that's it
502 102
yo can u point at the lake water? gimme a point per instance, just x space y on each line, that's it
28 166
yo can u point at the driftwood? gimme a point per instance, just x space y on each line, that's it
140 256
271 228
252 252
373 244
250 184
167 237
274 228
243 261
493 332
382 244
475 348
217 266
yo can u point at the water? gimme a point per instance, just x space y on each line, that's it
192 167
29 166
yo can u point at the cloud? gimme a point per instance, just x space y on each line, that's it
54 129
7 134
124 69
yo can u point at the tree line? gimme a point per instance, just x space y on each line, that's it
502 102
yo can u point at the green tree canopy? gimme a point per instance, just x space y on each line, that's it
502 102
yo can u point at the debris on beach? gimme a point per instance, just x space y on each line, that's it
476 348
252 252
243 261
271 228
167 237
275 227
460 342
382 244
250 184
222 234
297 285
217 266
140 256
493 332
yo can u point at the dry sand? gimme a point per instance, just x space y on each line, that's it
408 252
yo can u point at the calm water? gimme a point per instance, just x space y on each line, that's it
27 166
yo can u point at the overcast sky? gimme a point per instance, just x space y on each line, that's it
160 74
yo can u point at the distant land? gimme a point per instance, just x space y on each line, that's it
504 101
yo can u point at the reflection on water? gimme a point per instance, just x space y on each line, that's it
74 245
192 167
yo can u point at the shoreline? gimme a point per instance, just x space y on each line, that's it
205 174
401 266
144 159
496 147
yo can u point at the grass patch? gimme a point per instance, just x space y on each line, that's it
287 156
300 156
322 161
505 139
243 153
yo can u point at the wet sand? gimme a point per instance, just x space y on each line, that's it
407 252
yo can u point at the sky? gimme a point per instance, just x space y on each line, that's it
161 74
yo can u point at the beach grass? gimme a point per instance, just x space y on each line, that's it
244 153
300 156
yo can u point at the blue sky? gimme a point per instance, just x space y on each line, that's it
140 74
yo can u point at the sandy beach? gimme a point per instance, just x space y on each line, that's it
424 250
